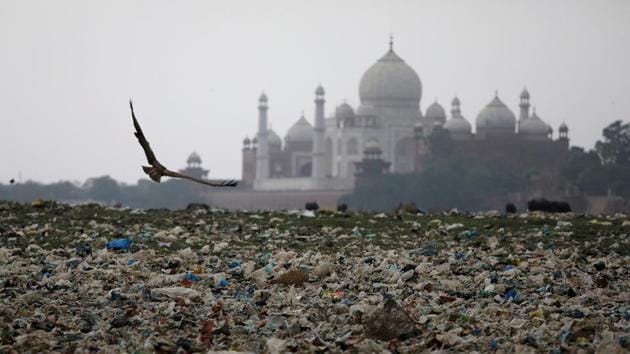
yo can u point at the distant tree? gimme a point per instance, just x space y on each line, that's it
103 189
614 149
445 183
577 162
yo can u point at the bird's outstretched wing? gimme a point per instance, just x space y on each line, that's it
141 139
156 170
213 183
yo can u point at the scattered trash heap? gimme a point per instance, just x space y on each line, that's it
89 278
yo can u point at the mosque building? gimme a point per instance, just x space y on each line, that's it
389 123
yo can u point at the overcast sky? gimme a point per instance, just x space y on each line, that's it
195 70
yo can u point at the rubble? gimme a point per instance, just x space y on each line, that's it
90 278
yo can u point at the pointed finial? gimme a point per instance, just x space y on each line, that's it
391 41
496 93
302 113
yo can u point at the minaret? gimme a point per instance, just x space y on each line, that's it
262 153
319 169
455 107
524 105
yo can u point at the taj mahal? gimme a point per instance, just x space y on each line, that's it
389 124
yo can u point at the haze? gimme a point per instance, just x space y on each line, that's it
196 68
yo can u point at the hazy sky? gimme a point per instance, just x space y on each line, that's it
195 70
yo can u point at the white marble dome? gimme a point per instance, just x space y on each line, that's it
496 116
458 125
194 158
301 131
390 81
436 112
533 126
343 111
273 138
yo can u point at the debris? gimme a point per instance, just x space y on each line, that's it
119 244
389 322
200 280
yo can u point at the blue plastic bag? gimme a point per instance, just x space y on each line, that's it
119 244
511 294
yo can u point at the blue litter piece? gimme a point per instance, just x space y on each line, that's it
234 264
471 233
132 262
223 283
493 344
245 294
269 268
511 294
191 276
119 244
564 336
429 250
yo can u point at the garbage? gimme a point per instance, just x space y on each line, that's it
293 277
192 277
119 244
389 322
511 294
175 292
211 281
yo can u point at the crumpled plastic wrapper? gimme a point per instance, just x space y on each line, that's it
91 278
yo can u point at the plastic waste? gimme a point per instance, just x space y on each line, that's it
119 244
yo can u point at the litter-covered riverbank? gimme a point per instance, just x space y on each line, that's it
89 278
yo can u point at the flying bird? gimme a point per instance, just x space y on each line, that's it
156 170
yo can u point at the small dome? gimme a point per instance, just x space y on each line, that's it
533 126
372 146
391 81
455 101
344 111
255 141
525 94
319 90
246 141
273 138
302 130
436 112
458 125
372 143
263 97
563 128
194 158
496 116
365 110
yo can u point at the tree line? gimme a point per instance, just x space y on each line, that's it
146 194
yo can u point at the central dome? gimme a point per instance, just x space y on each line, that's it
390 81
